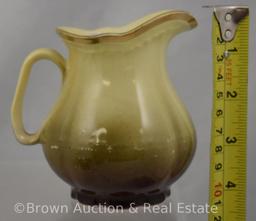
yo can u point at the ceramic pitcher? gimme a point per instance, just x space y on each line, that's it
118 132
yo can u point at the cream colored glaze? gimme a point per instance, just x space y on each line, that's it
118 124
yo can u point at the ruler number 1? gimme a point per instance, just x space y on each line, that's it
233 50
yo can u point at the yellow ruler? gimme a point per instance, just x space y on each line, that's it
229 116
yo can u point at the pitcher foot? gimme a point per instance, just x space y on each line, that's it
124 199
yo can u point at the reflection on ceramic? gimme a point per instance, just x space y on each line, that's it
118 133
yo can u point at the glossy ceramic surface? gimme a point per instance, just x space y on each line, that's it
118 133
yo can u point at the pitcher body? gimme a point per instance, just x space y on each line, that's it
118 132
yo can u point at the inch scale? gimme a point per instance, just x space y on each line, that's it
229 116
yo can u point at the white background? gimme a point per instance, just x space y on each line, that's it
28 24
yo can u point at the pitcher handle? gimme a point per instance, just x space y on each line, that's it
17 106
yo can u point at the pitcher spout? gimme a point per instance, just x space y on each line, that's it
169 21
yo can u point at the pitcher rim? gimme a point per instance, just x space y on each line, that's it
125 32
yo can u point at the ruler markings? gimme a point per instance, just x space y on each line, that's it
228 164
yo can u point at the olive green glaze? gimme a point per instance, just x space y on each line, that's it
118 127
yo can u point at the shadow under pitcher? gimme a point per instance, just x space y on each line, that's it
118 133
